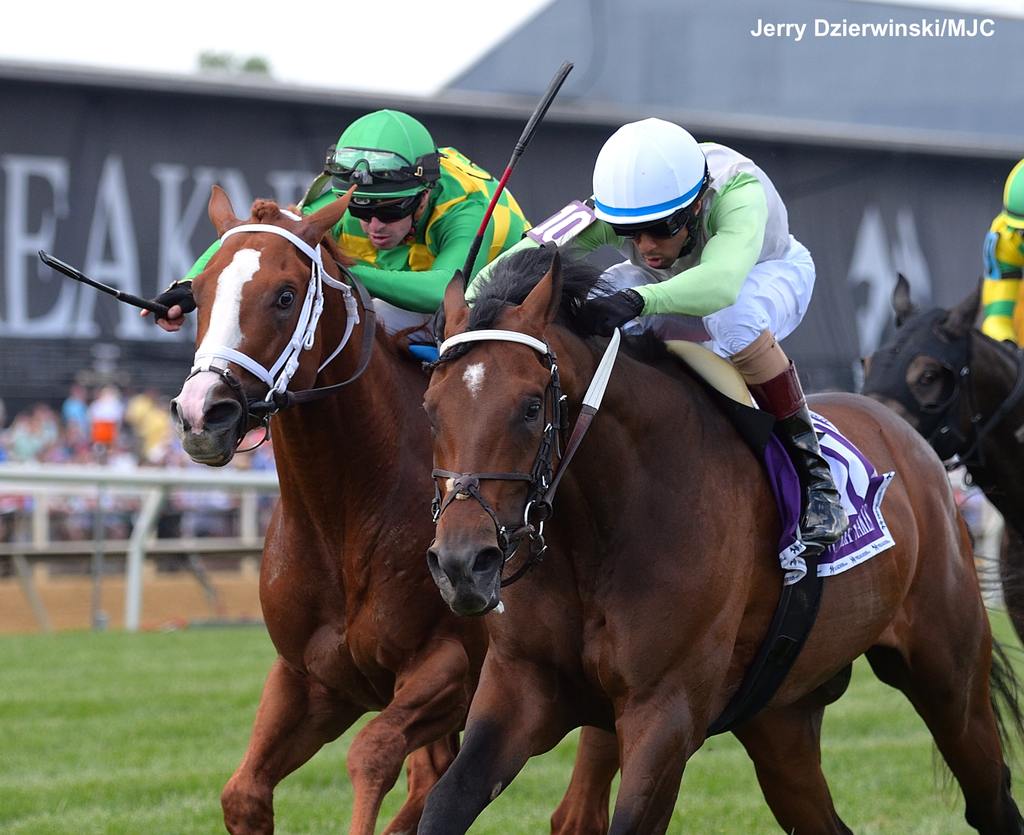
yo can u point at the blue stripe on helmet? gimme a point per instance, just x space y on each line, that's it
667 206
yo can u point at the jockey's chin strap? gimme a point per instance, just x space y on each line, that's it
279 375
543 479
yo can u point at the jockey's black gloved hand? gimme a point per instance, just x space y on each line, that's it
604 314
179 293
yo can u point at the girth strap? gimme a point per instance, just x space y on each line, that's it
791 624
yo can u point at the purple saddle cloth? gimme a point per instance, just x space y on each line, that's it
862 489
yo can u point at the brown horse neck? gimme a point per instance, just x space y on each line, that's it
646 408
361 441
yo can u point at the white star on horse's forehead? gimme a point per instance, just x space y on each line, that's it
473 377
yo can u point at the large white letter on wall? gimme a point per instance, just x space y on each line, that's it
21 243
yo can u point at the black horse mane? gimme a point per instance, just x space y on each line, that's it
512 279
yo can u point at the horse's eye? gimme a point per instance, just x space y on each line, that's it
928 377
533 410
285 298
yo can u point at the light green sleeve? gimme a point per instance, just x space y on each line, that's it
736 227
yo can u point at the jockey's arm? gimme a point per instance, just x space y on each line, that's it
1002 284
736 227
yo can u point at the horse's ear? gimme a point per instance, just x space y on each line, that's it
962 317
901 302
221 214
541 306
315 226
456 310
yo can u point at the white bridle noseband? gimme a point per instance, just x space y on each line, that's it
279 375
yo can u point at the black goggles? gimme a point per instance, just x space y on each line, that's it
386 211
666 227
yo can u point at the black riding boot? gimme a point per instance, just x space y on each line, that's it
823 520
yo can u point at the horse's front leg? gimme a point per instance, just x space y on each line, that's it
584 809
656 738
429 706
509 722
296 717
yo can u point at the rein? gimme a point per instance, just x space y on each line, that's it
217 358
544 478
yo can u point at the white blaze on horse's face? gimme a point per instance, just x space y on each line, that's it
473 377
224 330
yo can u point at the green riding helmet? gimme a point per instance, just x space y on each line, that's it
1013 197
385 154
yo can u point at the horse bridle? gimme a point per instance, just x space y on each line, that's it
216 359
939 422
543 479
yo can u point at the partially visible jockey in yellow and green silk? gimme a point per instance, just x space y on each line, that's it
1004 265
411 221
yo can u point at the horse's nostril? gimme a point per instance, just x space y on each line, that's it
222 413
178 417
487 561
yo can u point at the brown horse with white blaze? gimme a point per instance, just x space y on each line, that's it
662 575
345 599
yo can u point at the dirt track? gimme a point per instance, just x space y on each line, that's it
167 599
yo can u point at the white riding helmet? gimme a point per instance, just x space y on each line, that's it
647 171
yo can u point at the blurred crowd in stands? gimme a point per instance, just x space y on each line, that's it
104 426
122 430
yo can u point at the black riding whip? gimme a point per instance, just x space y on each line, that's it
55 263
524 140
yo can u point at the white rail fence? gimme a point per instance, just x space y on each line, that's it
43 483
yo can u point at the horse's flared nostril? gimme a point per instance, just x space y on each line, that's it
178 418
434 564
488 560
221 414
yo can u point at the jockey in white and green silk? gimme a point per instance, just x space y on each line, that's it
1004 264
710 259
411 220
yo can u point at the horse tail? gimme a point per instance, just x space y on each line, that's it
1005 689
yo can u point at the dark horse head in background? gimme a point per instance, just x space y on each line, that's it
964 392
948 380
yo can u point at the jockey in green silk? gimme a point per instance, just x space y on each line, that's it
1004 264
412 219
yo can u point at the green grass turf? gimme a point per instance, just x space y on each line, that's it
119 733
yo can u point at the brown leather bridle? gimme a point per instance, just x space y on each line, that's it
543 479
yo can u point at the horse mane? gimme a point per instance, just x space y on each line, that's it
512 279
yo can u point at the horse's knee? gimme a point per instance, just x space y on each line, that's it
247 810
376 755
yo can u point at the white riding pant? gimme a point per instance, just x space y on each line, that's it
397 319
774 297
